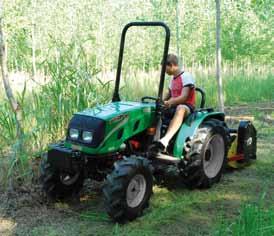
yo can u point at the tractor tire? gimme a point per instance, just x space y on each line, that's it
128 188
57 185
206 154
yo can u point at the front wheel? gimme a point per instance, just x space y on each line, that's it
59 185
128 188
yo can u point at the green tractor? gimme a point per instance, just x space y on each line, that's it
110 143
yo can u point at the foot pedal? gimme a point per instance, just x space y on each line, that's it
167 158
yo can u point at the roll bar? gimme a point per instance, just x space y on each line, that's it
116 96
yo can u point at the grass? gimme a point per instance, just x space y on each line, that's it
241 204
253 220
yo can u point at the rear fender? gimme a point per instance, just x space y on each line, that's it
189 127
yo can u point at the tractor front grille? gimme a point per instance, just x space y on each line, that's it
87 123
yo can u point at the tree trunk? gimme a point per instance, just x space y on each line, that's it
15 106
218 56
33 51
178 29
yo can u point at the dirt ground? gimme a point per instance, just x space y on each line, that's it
25 212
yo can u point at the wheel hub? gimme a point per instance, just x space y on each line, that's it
207 154
68 179
136 190
214 155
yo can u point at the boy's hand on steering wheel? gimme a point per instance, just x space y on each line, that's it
167 104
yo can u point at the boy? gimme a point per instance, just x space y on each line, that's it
180 98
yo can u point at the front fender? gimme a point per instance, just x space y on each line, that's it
189 127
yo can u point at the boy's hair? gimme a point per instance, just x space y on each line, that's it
172 59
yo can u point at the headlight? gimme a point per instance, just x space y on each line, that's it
87 136
74 133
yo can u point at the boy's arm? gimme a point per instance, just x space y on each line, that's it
179 100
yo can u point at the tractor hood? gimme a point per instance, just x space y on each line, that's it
111 110
108 126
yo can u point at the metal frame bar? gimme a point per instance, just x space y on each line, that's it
116 96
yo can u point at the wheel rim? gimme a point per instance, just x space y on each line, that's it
136 190
68 179
214 156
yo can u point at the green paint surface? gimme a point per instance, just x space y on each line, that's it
128 118
188 129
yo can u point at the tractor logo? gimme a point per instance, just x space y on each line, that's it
118 118
249 141
147 110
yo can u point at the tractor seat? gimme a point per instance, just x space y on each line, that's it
202 103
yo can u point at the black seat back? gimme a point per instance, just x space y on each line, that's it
203 96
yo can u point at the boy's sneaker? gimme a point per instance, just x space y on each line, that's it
155 148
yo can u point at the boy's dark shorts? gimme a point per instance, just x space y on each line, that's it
169 113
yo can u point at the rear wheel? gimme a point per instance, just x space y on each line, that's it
128 188
206 154
59 185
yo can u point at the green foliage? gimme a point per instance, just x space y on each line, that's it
46 111
73 87
247 30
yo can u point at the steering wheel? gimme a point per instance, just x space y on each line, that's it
159 104
148 97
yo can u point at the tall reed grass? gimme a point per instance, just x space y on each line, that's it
47 110
241 84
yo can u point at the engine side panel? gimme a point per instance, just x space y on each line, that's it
123 120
